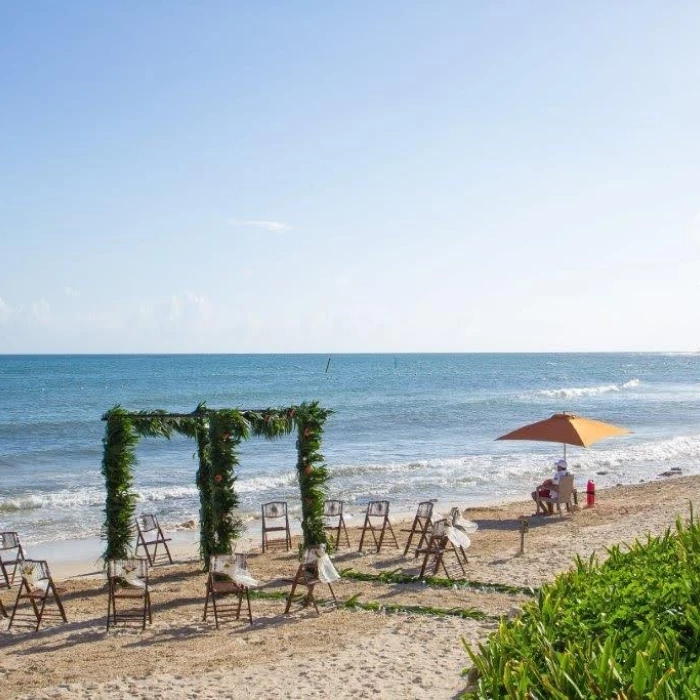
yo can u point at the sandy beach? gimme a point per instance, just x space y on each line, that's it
342 652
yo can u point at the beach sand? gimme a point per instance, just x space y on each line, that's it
340 653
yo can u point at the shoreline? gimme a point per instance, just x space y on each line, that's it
344 653
66 562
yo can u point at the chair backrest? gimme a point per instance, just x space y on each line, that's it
227 563
128 569
425 510
9 540
313 554
274 509
332 508
147 522
35 572
566 488
439 528
378 508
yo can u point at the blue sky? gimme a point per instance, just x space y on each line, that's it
326 177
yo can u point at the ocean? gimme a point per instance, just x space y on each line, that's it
406 427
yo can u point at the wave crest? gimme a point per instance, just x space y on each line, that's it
575 392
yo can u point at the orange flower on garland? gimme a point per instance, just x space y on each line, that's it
308 469
218 478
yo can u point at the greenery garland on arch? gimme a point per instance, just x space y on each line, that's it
218 433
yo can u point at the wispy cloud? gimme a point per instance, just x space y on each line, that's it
272 226
5 310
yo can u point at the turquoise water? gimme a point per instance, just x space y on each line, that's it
406 427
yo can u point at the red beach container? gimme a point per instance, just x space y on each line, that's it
590 493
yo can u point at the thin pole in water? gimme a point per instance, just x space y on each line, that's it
328 364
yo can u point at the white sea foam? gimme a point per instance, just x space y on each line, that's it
575 392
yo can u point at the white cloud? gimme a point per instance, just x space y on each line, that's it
41 310
696 220
71 292
272 226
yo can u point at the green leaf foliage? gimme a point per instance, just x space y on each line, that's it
311 470
218 434
629 628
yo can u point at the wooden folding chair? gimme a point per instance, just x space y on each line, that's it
127 579
11 554
377 509
421 525
437 544
307 575
150 534
228 576
334 509
275 519
37 587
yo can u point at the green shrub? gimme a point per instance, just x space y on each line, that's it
629 628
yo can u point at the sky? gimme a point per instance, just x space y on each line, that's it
349 177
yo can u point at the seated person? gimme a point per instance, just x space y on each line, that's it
549 488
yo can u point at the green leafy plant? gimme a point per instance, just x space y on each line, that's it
627 628
397 576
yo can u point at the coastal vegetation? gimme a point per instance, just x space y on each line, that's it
627 628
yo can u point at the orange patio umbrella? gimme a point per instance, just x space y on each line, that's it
567 429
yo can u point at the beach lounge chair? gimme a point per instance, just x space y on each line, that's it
316 567
127 580
37 587
150 534
228 576
11 554
565 496
275 519
421 525
331 510
437 545
377 510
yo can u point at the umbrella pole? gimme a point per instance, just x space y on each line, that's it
564 450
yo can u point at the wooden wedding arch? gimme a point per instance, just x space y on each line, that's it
218 433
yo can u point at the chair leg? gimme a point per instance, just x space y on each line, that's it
291 595
240 604
4 575
335 600
362 537
347 537
250 611
206 599
59 602
216 610
410 538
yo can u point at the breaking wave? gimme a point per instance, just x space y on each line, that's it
575 392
